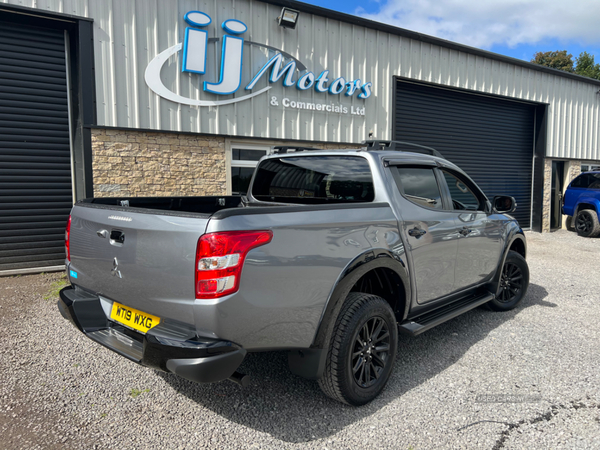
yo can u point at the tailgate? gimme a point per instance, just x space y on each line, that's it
145 261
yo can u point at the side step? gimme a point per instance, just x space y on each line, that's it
431 319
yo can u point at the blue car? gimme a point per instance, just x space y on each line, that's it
582 203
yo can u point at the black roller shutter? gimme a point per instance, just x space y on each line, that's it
35 162
489 138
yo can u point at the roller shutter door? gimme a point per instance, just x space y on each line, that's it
489 138
35 163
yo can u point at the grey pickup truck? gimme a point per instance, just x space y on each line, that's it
329 257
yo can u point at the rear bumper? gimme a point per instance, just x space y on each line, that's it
167 347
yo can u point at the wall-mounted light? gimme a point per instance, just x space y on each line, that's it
288 18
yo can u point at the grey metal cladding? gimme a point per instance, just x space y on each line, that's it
129 33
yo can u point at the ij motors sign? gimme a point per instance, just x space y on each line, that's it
281 67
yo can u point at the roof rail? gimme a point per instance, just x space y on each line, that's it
283 149
397 146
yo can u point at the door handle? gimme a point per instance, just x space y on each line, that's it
117 237
416 232
465 231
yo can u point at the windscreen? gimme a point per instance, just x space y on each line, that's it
314 179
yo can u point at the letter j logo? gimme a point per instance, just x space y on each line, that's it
194 52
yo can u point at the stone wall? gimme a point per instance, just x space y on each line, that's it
547 194
571 170
130 163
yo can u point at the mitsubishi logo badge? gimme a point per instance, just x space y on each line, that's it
115 270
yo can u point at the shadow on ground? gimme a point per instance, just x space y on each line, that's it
294 410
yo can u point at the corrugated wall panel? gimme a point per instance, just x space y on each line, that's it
489 138
128 34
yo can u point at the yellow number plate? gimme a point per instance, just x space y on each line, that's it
133 318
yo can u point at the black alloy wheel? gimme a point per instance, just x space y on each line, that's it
362 350
371 352
583 223
586 223
511 282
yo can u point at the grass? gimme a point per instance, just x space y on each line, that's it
56 286
135 392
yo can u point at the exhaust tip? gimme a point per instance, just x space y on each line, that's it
240 379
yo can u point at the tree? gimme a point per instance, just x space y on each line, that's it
560 60
583 65
586 66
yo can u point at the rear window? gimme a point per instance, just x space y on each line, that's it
587 181
314 179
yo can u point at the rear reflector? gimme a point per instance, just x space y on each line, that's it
68 240
220 258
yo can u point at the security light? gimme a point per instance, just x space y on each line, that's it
288 18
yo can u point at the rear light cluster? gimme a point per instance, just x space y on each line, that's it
68 240
220 258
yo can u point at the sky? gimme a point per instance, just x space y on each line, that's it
516 28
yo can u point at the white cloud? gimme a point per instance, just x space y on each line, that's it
484 23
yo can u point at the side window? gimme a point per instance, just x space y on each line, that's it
582 181
594 181
462 197
419 185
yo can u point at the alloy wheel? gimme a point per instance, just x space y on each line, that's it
511 282
370 352
583 223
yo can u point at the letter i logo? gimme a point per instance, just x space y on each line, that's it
194 52
194 46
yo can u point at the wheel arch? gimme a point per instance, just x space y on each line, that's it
586 203
516 242
375 271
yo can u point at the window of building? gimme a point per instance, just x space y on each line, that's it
244 158
589 167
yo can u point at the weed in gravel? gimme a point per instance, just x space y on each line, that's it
135 392
55 287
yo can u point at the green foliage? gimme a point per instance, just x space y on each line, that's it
586 66
55 287
560 60
583 65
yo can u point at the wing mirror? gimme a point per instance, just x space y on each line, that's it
504 204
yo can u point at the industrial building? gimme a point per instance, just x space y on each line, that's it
182 97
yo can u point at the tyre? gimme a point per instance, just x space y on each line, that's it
569 223
513 285
586 223
362 351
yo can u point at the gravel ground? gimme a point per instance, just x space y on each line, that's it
524 379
